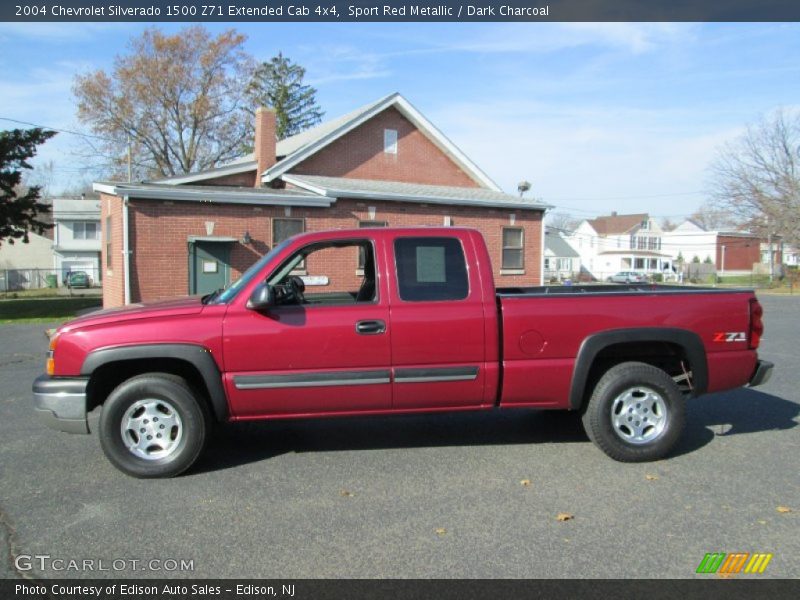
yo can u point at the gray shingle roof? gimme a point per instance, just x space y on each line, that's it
341 187
558 246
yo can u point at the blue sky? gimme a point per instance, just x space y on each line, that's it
598 117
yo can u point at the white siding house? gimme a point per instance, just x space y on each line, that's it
76 242
614 243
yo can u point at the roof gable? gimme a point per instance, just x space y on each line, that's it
312 141
617 224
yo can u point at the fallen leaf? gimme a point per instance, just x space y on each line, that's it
762 522
525 482
562 516
650 477
441 531
784 509
347 494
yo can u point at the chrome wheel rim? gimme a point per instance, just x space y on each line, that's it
638 415
151 429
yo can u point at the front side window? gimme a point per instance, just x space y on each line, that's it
430 269
367 225
513 242
326 281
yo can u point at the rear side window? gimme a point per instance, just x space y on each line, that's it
430 268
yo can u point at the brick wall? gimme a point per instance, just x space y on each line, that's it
360 155
741 253
159 238
113 282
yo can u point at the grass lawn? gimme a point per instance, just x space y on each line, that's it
43 310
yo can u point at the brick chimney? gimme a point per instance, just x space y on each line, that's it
265 141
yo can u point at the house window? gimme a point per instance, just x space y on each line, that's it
638 263
513 241
108 242
361 253
283 229
85 231
390 141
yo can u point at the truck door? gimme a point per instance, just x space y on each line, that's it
437 321
321 349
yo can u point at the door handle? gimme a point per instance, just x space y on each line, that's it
370 327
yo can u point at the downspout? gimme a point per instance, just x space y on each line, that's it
541 255
126 253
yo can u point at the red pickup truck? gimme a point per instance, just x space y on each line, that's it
380 321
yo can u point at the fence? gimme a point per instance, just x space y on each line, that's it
16 280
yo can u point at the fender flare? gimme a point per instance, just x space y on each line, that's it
197 356
689 341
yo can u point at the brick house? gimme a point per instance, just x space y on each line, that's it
384 164
731 252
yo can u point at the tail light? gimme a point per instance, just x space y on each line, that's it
756 323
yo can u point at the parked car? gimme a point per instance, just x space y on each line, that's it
423 329
628 277
78 279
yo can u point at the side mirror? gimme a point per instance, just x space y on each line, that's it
262 297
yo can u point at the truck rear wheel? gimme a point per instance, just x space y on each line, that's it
635 414
153 426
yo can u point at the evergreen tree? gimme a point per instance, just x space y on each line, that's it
19 205
278 84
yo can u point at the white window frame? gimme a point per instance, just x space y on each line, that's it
390 141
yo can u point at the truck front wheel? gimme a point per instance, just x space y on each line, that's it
635 414
153 426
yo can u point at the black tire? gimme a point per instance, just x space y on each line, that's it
144 400
621 417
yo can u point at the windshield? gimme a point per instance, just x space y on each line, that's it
230 293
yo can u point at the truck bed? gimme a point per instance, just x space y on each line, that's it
543 339
612 289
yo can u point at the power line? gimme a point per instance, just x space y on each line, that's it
69 131
637 197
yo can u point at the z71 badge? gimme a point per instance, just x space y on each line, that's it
730 336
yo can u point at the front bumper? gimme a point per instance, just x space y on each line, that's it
762 373
60 403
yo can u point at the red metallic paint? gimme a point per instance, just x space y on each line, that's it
541 336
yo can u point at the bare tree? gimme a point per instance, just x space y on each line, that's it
563 222
756 177
712 218
178 99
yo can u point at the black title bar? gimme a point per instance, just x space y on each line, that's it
413 589
332 11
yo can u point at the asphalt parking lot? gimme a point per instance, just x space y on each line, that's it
435 496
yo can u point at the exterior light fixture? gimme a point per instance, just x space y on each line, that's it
246 239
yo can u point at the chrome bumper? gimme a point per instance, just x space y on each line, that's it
60 403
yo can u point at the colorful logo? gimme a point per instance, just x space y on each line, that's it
732 564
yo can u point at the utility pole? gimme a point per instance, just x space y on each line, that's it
130 170
771 257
